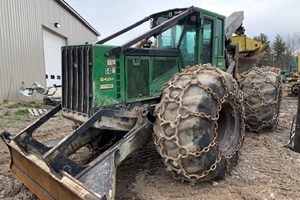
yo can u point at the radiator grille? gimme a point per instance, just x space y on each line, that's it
77 81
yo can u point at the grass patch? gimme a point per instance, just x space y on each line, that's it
11 117
12 112
34 104
7 113
30 104
21 113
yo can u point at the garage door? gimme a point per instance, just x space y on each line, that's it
52 54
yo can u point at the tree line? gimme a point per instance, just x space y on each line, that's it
282 52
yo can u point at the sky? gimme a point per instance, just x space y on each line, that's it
270 17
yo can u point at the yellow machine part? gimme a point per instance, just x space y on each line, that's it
247 45
250 51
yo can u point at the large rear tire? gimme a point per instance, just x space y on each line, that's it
262 96
199 125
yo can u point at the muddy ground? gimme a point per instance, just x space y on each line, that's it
266 169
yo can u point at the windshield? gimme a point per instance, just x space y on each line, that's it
181 36
170 37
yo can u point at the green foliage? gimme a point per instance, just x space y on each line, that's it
267 59
34 104
12 112
12 116
279 50
264 39
21 113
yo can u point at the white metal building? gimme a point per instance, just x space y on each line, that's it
31 35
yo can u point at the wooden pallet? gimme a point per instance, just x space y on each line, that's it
33 112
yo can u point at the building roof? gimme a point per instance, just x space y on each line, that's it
77 15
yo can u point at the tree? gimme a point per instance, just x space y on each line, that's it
279 50
267 59
292 44
263 39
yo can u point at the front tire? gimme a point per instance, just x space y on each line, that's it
199 125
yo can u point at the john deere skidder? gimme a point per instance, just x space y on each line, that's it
175 84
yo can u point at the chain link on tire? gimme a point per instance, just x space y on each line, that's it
197 106
262 96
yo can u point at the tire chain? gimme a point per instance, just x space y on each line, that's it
255 89
184 151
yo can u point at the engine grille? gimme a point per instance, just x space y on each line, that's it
77 78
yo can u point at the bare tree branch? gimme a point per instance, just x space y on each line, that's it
292 43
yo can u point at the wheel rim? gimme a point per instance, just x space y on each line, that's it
226 126
295 89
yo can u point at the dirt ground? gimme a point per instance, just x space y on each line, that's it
266 169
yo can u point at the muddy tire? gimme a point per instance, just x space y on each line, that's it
262 95
199 125
295 88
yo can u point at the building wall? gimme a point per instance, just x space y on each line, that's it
21 41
